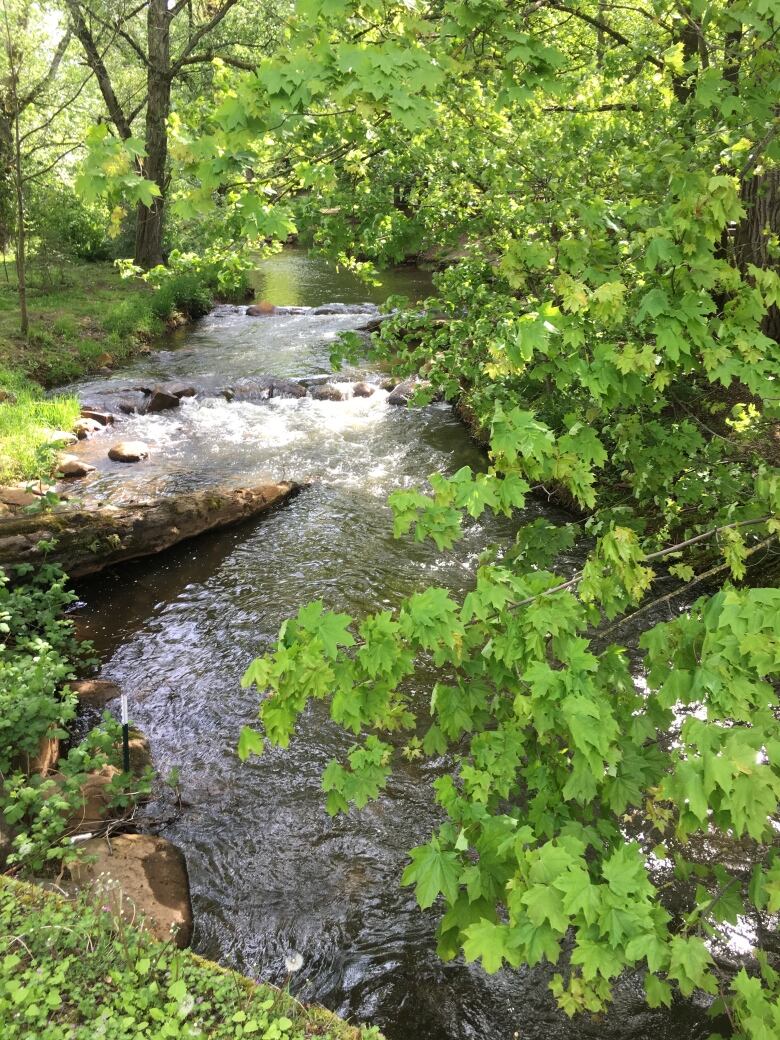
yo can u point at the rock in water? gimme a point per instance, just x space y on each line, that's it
103 418
85 427
151 875
261 309
161 400
402 393
94 693
363 390
327 392
72 466
129 451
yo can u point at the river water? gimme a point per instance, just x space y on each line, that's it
271 873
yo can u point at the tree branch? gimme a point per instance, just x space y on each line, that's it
44 83
96 63
200 32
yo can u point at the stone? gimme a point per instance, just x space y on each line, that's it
96 797
84 427
14 496
60 437
102 418
128 451
6 841
141 874
95 693
262 388
104 360
184 391
402 393
44 761
7 397
258 310
363 390
327 392
161 400
130 406
346 308
140 751
72 466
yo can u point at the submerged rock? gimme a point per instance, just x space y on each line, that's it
95 693
72 466
160 400
140 874
85 427
262 388
102 418
363 390
262 309
129 451
346 308
403 392
90 536
327 392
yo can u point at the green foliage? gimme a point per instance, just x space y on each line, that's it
609 325
71 969
38 655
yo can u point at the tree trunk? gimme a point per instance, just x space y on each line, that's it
149 219
761 199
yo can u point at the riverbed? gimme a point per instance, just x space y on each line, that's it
271 873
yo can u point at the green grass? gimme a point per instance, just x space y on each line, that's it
25 453
80 321
70 970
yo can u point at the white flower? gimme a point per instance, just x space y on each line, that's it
294 962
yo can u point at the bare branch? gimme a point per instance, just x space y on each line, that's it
200 32
96 63
44 83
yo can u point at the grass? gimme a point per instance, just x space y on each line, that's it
71 971
84 318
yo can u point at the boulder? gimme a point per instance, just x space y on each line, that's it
72 466
147 876
128 451
363 390
403 392
45 760
140 752
6 841
183 391
7 397
104 360
92 535
14 496
262 388
258 310
102 418
134 405
346 308
85 427
327 392
95 693
96 796
161 400
60 437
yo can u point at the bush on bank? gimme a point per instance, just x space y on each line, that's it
72 971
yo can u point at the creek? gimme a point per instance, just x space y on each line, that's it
270 872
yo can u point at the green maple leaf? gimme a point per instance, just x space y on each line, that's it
250 742
433 873
690 965
486 941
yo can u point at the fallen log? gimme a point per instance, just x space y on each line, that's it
88 537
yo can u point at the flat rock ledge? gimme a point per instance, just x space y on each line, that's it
92 535
140 875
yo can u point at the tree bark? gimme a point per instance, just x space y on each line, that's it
149 220
761 199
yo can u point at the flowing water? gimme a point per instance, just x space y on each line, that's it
270 872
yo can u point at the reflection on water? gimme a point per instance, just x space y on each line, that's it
270 872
